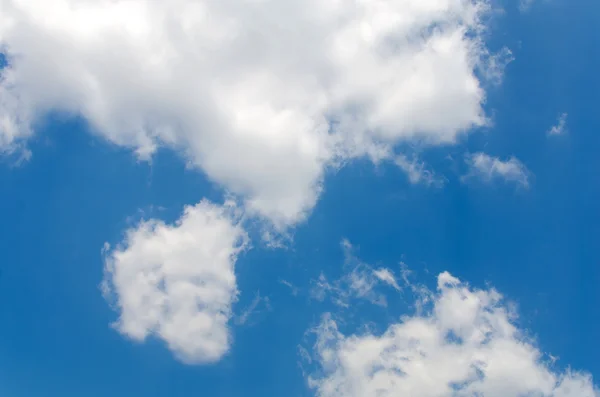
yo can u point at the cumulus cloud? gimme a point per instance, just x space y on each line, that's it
466 344
560 127
488 168
263 96
177 282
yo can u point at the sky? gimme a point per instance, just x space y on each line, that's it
299 198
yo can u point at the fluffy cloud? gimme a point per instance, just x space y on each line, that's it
178 282
465 345
486 167
560 127
261 95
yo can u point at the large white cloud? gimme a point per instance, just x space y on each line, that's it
466 345
262 95
178 282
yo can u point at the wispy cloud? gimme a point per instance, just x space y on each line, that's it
525 5
253 308
294 290
488 168
417 172
360 282
386 276
560 127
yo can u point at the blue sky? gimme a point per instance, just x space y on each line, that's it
283 251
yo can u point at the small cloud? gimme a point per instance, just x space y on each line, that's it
360 282
525 5
560 127
253 308
385 275
338 291
496 64
295 290
177 281
416 171
274 239
552 359
488 168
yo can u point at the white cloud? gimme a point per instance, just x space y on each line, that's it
253 309
525 5
560 127
416 171
293 289
465 345
486 167
262 95
178 282
387 276
360 282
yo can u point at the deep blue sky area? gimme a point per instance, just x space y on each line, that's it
537 246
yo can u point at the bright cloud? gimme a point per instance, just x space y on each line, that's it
560 127
178 282
465 345
488 168
263 96
386 276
